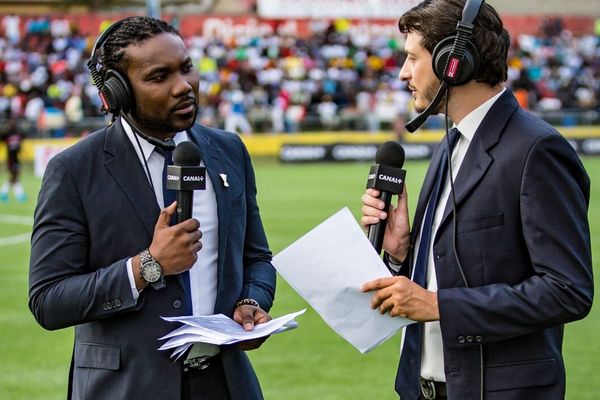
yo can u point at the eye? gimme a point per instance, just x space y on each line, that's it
187 68
157 78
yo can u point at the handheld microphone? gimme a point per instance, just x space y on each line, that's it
387 176
186 176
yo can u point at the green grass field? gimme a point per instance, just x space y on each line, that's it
311 362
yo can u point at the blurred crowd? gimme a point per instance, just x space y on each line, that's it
335 78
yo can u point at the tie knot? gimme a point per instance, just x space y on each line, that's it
453 137
167 154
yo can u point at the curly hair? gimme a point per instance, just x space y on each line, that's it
437 19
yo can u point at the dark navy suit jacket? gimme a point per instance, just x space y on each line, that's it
95 210
523 241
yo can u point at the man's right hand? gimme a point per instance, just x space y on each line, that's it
396 238
175 247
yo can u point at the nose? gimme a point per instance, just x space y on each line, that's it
404 74
182 86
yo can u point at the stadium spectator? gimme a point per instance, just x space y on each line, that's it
12 137
558 71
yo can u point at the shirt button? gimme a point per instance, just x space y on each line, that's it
177 303
478 339
461 339
470 339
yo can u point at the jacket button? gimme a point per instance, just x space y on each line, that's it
478 339
117 303
470 339
106 306
177 303
461 339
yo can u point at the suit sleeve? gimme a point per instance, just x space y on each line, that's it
553 199
259 273
63 289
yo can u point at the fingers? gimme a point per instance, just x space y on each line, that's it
370 199
176 247
378 284
372 208
164 219
247 316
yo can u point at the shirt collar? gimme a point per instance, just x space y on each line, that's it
469 124
147 147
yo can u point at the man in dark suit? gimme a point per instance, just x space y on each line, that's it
495 266
107 260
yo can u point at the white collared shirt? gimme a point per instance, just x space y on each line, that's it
203 275
432 359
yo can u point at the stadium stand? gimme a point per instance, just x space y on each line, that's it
331 78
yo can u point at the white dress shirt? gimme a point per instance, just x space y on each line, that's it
432 359
203 274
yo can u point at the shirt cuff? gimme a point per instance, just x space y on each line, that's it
134 291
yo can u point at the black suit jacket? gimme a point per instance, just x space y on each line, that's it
524 244
95 210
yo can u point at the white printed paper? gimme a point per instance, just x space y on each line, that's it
327 267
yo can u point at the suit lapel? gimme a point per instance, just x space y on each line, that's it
478 160
124 165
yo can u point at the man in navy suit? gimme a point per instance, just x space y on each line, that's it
494 267
107 260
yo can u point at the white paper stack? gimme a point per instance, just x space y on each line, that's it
219 329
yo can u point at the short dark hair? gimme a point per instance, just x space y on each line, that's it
131 30
437 19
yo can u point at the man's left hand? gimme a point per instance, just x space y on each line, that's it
248 316
403 298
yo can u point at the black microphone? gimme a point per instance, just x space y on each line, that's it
387 176
186 176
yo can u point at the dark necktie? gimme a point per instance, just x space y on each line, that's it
410 361
169 197
420 273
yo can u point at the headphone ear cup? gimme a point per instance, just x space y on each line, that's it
467 68
116 93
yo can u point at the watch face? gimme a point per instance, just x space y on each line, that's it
151 272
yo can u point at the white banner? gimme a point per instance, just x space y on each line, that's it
331 9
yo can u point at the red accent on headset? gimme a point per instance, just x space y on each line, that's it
452 69
105 105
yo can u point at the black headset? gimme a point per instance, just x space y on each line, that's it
115 91
113 88
455 60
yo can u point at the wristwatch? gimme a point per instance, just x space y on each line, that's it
151 271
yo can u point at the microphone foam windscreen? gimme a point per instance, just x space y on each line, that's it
390 153
187 154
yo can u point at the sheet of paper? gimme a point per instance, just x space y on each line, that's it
220 330
327 267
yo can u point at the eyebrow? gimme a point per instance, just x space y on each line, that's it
166 68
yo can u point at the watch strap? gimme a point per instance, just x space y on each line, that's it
146 257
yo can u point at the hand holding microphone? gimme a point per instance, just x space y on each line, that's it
176 246
388 226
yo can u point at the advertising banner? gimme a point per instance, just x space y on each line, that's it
379 9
